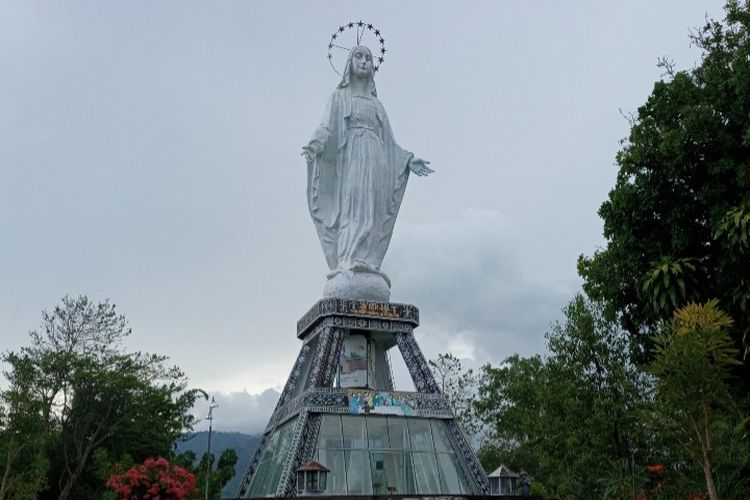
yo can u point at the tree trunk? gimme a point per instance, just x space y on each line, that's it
73 477
68 486
6 476
708 471
707 448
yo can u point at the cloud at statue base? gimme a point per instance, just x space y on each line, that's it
481 293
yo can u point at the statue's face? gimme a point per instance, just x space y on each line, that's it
362 62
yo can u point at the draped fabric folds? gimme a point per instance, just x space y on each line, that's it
356 185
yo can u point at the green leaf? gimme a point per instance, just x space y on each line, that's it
681 286
673 296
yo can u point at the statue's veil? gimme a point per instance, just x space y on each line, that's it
347 70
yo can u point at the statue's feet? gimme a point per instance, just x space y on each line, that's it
358 285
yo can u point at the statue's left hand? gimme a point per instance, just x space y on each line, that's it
419 167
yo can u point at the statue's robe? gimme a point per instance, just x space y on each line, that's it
355 187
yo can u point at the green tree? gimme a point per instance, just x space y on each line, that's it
98 404
459 386
23 435
220 475
568 417
692 366
678 219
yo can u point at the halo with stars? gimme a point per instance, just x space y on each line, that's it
342 41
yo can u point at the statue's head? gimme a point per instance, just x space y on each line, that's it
359 65
360 62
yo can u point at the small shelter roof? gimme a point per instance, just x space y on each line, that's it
503 471
312 465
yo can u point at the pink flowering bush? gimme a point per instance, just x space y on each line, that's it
154 480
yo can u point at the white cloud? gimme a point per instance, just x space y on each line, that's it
239 411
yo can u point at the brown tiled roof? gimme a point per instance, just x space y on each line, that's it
312 465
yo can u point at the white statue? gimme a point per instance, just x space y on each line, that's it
356 179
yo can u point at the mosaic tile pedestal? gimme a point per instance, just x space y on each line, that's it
341 409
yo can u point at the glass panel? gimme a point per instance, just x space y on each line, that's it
300 482
258 488
270 447
266 476
425 473
275 475
440 435
388 474
280 453
448 474
397 433
312 481
504 486
420 435
355 436
409 486
377 433
330 432
495 485
334 461
358 473
304 373
378 473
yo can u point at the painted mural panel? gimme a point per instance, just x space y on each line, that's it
380 403
353 362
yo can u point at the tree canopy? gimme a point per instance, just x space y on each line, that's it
571 418
677 222
78 403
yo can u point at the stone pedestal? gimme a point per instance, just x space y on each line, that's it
373 439
358 285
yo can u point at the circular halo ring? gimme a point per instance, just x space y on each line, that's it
335 45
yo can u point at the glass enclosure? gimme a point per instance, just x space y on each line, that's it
385 455
271 463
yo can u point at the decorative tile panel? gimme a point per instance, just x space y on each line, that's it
357 309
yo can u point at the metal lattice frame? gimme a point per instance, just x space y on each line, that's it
291 459
328 322
304 452
466 458
415 361
326 357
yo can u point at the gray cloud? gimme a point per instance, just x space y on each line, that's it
151 155
239 411
479 296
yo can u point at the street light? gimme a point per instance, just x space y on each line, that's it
208 454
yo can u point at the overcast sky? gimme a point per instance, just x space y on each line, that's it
150 154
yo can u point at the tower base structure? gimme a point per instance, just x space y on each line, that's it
339 408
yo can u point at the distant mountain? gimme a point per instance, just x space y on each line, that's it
243 444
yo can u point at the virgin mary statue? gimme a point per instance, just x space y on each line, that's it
355 183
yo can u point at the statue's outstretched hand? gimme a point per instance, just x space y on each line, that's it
419 167
310 152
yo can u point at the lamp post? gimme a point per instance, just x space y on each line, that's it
208 454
